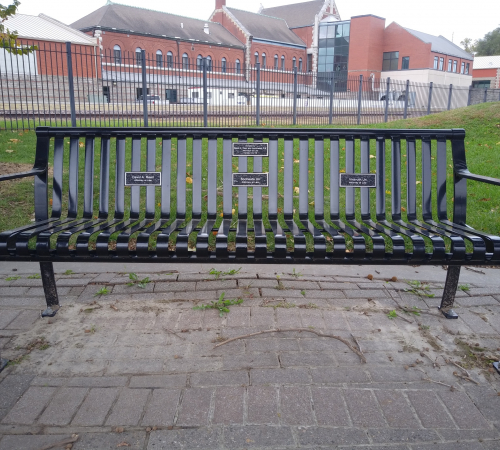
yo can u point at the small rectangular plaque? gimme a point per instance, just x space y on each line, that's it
250 179
368 180
142 178
250 149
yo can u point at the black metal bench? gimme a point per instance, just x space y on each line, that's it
189 210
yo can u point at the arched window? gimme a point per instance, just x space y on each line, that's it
199 62
237 66
300 64
282 62
159 58
209 64
185 61
294 62
276 62
264 60
138 56
256 57
170 60
117 53
223 65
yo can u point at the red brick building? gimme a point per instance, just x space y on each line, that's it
486 73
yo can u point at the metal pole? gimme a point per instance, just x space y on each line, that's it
332 85
257 93
470 95
431 84
144 88
449 96
407 95
387 100
485 95
205 93
71 85
360 91
295 95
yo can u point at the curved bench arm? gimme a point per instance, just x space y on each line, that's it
31 173
471 176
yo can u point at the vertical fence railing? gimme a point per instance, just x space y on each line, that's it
386 112
295 95
257 94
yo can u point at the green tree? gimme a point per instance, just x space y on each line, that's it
489 45
468 45
7 37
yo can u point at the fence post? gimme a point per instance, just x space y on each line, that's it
470 95
144 88
485 95
431 84
295 95
387 100
360 93
332 85
405 114
449 96
257 93
205 93
71 85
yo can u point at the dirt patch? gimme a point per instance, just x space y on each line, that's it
8 168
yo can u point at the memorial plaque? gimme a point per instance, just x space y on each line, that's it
250 149
250 179
142 178
358 180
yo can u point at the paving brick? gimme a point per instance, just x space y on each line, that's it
75 282
95 407
29 407
195 407
212 319
296 407
396 409
228 405
111 441
200 296
469 435
12 388
366 293
476 323
31 442
129 407
325 294
13 291
220 378
291 359
124 289
486 400
363 408
329 407
281 293
300 284
260 283
7 316
335 320
262 405
216 285
258 437
190 319
63 406
39 292
158 381
203 438
245 294
429 410
476 301
331 437
175 286
272 345
97 381
338 286
134 366
464 412
24 320
4 342
288 318
392 435
383 374
449 446
279 376
194 364
239 317
331 375
162 407
91 290
250 360
312 318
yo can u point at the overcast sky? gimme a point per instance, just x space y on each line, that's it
454 19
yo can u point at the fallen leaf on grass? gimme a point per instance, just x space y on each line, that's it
15 141
296 189
81 145
485 199
189 180
123 444
372 156
9 151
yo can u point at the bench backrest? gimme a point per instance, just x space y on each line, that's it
185 156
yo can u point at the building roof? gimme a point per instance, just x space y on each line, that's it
45 28
440 44
296 15
145 21
486 62
264 27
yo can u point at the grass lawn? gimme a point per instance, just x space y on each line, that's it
481 122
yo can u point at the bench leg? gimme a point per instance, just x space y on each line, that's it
450 289
49 287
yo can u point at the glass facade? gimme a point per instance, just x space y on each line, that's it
333 53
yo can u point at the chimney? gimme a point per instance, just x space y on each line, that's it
205 29
219 4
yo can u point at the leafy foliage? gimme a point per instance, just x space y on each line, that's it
489 45
221 304
139 283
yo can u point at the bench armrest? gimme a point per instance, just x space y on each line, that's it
471 176
31 173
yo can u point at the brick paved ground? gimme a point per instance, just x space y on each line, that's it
138 368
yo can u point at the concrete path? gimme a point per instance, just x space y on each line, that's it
137 368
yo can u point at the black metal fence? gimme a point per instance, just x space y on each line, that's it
64 84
